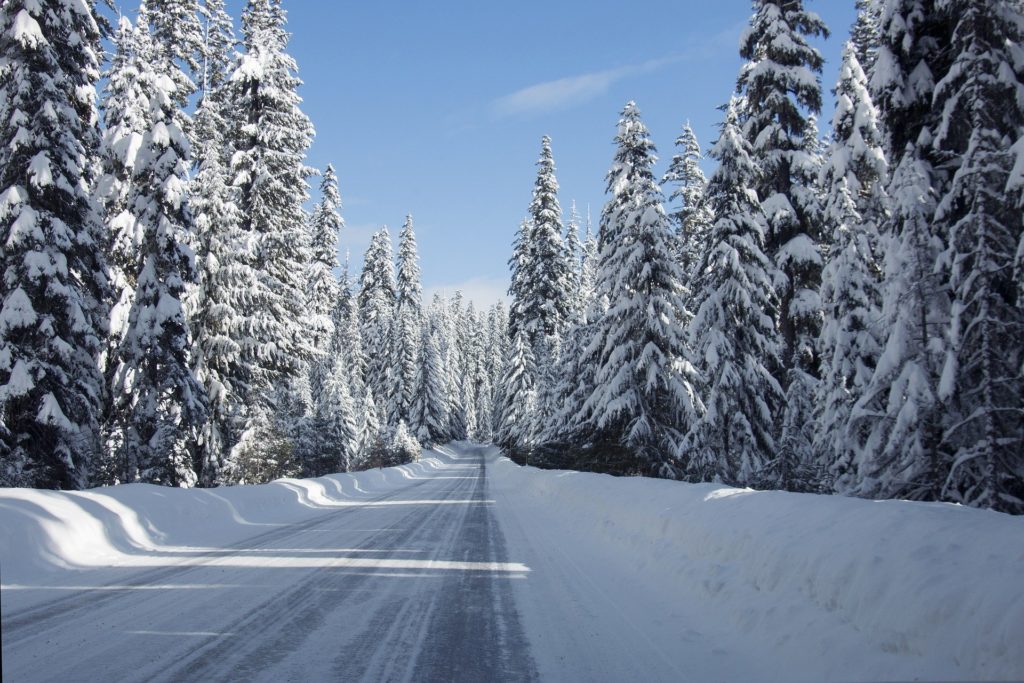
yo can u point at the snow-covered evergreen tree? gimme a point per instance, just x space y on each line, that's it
53 286
334 424
588 272
176 28
158 405
643 397
513 433
406 330
220 312
495 352
270 139
428 411
981 105
125 120
371 432
541 300
853 179
733 332
864 33
376 305
691 218
899 416
780 86
322 288
574 257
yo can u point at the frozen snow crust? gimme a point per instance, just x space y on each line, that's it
841 588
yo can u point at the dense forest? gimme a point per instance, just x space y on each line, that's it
840 313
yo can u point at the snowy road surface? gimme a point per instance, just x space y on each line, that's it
416 585
467 567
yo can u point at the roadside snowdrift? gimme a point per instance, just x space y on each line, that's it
840 588
45 533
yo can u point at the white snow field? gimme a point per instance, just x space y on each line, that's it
468 567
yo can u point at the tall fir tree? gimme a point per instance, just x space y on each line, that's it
854 179
574 258
899 416
159 406
176 27
334 423
733 332
125 121
53 287
864 32
644 398
981 106
429 408
376 306
780 86
691 219
322 287
513 432
271 135
407 323
541 301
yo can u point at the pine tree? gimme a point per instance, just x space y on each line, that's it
854 180
376 303
574 257
864 34
779 83
52 313
899 414
899 417
981 100
177 30
588 273
496 350
270 139
691 219
124 118
513 433
159 406
334 423
429 408
218 45
407 323
322 288
733 332
220 312
643 399
541 277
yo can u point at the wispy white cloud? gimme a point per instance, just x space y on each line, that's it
563 93
482 291
574 90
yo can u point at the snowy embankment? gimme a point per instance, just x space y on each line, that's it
814 587
45 533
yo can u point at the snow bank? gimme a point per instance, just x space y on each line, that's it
840 588
43 533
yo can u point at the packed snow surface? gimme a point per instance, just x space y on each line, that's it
466 566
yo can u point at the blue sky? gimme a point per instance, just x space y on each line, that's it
438 108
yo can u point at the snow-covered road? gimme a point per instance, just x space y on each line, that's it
412 585
467 567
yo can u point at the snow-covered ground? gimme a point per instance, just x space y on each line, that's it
405 572
707 582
